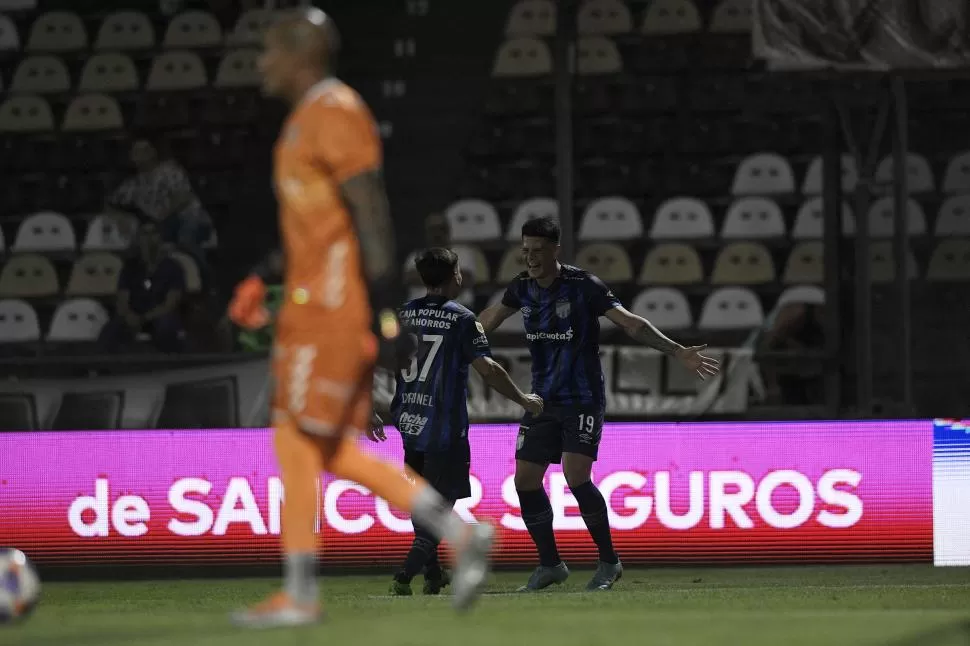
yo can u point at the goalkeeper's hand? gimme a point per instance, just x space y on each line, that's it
397 345
247 308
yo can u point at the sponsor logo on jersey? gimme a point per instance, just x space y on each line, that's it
412 423
526 311
550 336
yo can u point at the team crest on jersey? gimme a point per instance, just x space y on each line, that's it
526 311
563 308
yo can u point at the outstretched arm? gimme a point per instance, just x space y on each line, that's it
642 330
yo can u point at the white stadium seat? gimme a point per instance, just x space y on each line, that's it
9 38
611 218
125 30
103 233
598 55
238 69
671 17
732 17
46 231
813 176
882 264
250 27
665 307
956 179
604 17
607 260
109 72
77 320
57 31
190 268
810 224
804 294
743 263
532 18
918 172
731 308
752 218
950 261
954 217
672 263
41 75
24 114
882 222
522 57
536 207
473 221
682 217
93 112
18 322
805 264
763 174
177 70
95 274
192 29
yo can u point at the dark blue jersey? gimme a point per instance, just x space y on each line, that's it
430 405
562 328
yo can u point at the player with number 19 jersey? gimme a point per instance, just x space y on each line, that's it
430 401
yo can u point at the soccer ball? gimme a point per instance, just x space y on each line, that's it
19 585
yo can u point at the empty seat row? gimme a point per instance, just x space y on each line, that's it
113 72
617 218
740 263
93 274
75 320
725 309
64 31
538 18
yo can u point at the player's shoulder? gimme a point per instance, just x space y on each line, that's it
571 273
335 96
459 309
520 278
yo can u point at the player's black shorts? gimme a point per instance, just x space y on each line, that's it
560 429
446 471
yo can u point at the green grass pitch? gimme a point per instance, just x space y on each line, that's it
897 605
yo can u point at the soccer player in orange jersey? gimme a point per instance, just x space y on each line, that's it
340 274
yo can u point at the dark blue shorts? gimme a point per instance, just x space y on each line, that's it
544 438
447 472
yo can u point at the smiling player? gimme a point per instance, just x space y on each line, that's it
561 306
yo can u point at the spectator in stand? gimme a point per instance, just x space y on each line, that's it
796 328
160 191
149 298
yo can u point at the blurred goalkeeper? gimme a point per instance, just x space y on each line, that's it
337 317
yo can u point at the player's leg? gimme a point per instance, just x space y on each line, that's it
539 444
582 432
450 474
300 465
423 545
429 509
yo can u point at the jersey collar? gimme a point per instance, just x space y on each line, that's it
318 88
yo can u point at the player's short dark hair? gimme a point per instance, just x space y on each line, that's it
436 266
542 227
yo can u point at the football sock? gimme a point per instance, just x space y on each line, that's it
424 546
537 515
593 508
300 576
433 567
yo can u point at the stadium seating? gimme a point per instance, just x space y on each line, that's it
26 114
41 74
45 232
956 179
77 320
918 172
238 69
9 37
611 218
805 264
532 18
950 261
28 276
732 17
191 30
93 112
608 261
731 308
682 217
598 55
665 307
109 72
193 278
528 210
176 70
249 28
604 17
743 263
57 31
473 221
754 217
812 184
95 274
882 219
954 217
806 294
671 17
18 322
522 57
671 264
882 264
104 234
763 174
125 31
809 222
